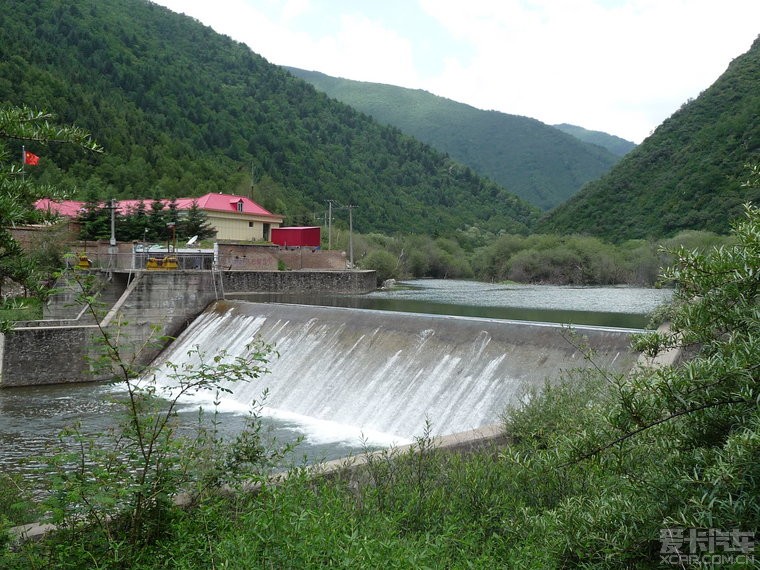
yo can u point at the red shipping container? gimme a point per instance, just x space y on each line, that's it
297 236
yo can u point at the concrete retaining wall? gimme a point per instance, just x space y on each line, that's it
158 304
46 355
150 307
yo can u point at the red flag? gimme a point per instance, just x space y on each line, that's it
30 158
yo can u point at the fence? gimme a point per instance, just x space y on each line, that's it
143 260
223 258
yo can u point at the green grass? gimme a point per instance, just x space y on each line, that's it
21 309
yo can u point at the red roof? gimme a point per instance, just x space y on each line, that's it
227 203
209 202
67 208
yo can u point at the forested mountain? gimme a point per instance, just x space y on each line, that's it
616 145
535 161
687 174
181 111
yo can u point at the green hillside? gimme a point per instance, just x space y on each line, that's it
686 175
535 161
616 145
183 111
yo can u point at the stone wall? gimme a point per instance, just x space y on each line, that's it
305 258
46 355
299 281
247 257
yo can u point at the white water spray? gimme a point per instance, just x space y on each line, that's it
347 373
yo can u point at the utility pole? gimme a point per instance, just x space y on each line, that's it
351 235
173 229
329 224
112 250
113 222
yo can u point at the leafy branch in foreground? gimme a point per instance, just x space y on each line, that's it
716 316
18 194
611 461
26 124
119 489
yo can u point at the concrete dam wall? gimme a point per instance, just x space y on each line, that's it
389 372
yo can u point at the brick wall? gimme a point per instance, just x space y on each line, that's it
306 258
32 237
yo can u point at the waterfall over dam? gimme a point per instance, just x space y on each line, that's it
389 372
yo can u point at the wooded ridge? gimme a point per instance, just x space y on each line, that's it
687 175
181 111
539 163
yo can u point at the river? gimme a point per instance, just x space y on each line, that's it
626 307
31 418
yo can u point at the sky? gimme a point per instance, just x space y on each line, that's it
618 66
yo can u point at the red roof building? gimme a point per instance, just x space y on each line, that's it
234 217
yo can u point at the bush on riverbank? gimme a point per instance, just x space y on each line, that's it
560 260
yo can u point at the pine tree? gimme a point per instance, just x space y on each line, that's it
196 224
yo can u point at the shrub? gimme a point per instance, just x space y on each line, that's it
384 263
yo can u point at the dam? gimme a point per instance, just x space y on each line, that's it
388 375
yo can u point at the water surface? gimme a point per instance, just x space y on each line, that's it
31 418
624 307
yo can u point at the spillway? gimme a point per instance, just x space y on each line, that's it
389 372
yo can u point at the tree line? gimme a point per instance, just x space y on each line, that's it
151 221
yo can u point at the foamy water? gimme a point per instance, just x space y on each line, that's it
348 375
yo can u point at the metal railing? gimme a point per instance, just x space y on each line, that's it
202 260
140 260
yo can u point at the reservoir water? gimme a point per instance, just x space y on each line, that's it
30 418
627 307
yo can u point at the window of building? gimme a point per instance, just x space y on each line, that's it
240 206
